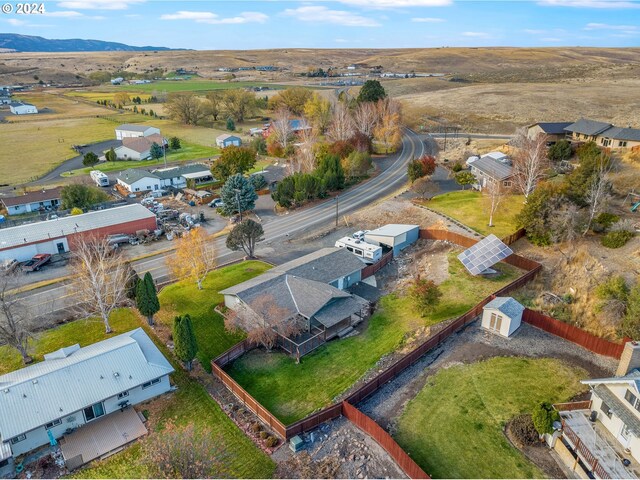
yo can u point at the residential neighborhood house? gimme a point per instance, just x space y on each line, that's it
490 168
139 148
72 389
38 201
139 180
553 131
296 126
58 236
226 140
129 130
313 289
604 134
22 108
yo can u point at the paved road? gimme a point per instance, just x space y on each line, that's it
60 296
479 136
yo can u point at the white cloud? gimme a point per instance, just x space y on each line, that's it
427 20
64 14
98 4
475 34
550 39
398 3
15 22
215 19
606 26
534 32
590 3
321 14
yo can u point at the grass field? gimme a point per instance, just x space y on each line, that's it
191 402
193 85
52 106
468 207
293 391
183 297
453 427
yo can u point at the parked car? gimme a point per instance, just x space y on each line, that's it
359 235
217 203
36 262
9 265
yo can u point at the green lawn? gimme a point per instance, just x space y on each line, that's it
191 402
293 391
468 207
187 152
183 297
454 427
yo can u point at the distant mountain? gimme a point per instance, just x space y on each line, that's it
28 43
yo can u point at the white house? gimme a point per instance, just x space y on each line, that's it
137 180
502 315
38 201
226 140
128 130
490 168
74 387
138 148
21 108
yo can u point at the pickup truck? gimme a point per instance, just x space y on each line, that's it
36 262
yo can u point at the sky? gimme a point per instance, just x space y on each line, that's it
239 24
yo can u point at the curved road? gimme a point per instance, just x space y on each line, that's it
60 296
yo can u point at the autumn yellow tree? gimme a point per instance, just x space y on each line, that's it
318 111
121 98
194 257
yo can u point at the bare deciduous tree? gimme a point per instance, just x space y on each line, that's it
304 159
263 319
530 162
194 258
281 124
425 187
101 280
493 192
15 319
599 189
341 127
365 118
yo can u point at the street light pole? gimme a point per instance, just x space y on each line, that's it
337 204
164 149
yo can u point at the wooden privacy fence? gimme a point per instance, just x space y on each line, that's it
372 269
573 334
369 426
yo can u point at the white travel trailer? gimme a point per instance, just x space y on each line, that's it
369 253
100 178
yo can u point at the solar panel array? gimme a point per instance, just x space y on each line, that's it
484 254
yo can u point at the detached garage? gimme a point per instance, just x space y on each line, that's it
58 236
394 236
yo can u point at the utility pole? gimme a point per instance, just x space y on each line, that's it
238 200
337 204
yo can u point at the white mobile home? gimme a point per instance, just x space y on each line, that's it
74 387
368 252
21 108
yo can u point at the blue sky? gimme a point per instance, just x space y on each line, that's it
239 24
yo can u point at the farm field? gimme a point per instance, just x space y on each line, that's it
454 427
53 106
467 206
292 391
192 85
191 402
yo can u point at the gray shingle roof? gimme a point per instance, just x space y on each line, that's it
366 291
553 128
55 388
32 197
324 265
310 296
132 175
49 229
167 173
339 309
619 133
588 127
492 168
506 305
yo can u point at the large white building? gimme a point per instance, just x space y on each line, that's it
58 236
21 108
74 387
128 130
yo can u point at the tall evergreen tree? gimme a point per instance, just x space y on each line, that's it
238 195
132 281
147 298
184 340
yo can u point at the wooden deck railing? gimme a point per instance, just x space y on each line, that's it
584 452
571 406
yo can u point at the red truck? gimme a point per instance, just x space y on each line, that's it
36 262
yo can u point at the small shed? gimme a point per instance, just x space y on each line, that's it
396 237
502 316
226 140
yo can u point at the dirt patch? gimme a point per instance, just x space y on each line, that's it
537 453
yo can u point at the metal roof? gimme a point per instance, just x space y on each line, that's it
507 305
55 388
392 230
166 173
552 128
42 231
484 254
32 197
134 128
619 133
588 127
492 168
